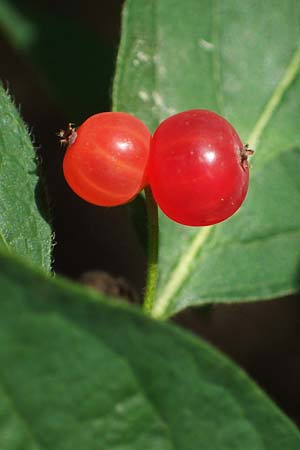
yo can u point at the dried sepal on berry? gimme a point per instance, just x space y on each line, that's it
245 153
67 136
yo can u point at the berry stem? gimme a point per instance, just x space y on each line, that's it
153 229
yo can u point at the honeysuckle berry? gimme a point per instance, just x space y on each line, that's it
198 169
106 158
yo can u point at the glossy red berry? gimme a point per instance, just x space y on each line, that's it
105 162
198 168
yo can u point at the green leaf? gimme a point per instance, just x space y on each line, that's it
24 226
80 372
241 60
75 63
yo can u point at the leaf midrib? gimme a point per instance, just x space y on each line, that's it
241 244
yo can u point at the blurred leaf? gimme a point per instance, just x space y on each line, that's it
78 372
76 63
24 226
242 60
15 26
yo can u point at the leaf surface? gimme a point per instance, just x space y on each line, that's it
24 226
242 60
81 372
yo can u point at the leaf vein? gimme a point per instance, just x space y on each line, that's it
181 271
287 79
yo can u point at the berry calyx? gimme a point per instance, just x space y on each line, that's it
106 159
68 136
198 169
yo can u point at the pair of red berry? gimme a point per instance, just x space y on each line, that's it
195 163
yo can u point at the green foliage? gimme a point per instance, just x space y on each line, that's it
241 60
74 63
24 228
80 372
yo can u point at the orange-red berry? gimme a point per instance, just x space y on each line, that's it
106 161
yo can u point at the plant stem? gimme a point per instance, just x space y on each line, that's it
152 219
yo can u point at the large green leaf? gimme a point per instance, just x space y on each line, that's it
23 218
242 60
80 372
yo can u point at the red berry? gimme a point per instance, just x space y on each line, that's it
106 160
198 168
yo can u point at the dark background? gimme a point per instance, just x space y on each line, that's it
64 74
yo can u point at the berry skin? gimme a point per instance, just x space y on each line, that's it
198 169
106 160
